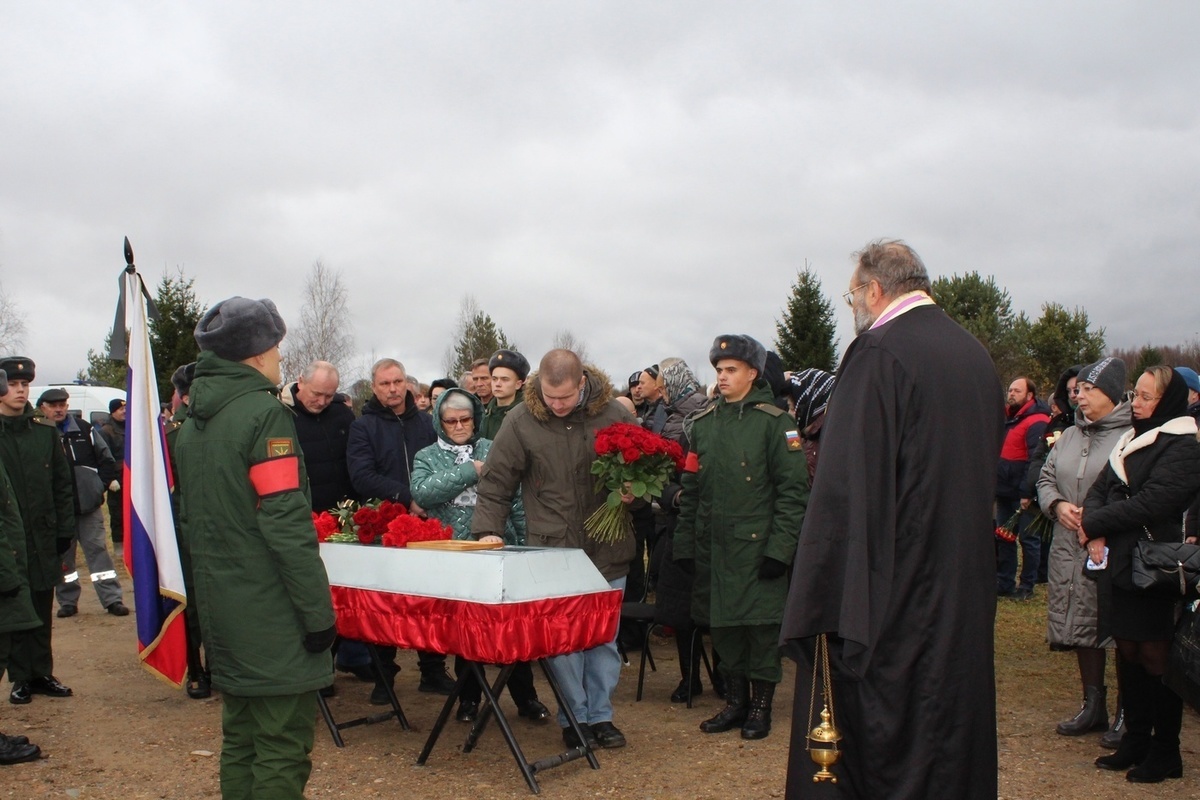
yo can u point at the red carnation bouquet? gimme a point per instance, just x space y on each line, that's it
350 521
632 461
406 529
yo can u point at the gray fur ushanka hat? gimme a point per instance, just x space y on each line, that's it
237 328
741 347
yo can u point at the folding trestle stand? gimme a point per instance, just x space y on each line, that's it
529 769
336 728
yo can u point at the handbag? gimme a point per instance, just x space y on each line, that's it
1166 567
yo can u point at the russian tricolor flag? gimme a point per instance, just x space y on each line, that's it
151 550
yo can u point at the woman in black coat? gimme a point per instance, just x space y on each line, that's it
1151 478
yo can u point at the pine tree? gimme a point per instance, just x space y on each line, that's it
101 370
172 335
805 336
985 310
1059 339
475 336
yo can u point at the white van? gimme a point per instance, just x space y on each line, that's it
87 402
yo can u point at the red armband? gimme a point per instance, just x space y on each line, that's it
276 476
691 463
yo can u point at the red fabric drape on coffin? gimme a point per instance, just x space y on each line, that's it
491 633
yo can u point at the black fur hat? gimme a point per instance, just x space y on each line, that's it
17 368
237 328
510 359
741 347
182 378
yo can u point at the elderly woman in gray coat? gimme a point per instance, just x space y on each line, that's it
1078 456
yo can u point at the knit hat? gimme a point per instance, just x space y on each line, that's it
634 378
182 378
114 404
741 347
1189 377
237 328
510 359
17 367
1107 375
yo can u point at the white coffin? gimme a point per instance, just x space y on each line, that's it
509 575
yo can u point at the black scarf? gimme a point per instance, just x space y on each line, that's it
1172 404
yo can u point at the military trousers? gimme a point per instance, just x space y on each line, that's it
30 655
749 651
89 535
265 754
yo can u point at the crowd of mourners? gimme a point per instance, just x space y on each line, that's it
503 454
1102 467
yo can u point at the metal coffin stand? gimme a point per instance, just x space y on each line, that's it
433 600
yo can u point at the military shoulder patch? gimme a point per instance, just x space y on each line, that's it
279 447
773 410
793 440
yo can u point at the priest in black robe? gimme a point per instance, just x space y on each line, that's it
896 562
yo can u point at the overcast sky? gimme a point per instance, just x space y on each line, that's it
645 175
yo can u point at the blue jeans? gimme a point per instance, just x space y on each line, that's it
587 679
351 653
1006 552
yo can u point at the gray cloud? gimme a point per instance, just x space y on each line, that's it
645 176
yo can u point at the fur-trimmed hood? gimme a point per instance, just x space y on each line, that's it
598 391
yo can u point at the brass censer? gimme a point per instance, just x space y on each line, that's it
822 739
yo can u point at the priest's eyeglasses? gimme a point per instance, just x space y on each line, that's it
849 296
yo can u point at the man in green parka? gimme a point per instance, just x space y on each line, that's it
31 451
745 487
265 609
16 608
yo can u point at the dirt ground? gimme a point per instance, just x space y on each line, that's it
127 735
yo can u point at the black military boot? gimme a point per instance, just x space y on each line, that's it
758 721
1112 737
734 713
1092 715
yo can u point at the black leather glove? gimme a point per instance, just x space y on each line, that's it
320 641
61 546
770 569
688 565
13 592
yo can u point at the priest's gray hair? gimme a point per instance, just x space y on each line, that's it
894 265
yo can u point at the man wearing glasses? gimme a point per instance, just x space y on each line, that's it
895 562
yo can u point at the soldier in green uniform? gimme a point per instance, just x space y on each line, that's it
261 588
199 681
16 607
31 451
745 487
508 370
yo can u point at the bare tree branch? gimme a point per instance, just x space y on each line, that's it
565 340
325 331
12 325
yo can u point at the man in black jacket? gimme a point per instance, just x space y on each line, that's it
379 454
113 432
95 471
322 429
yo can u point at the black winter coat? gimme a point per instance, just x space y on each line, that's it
381 449
1161 470
322 439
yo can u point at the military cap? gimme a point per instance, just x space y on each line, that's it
182 378
54 396
237 328
741 347
512 360
3 383
114 404
17 368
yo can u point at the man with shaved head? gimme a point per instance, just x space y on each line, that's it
546 448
